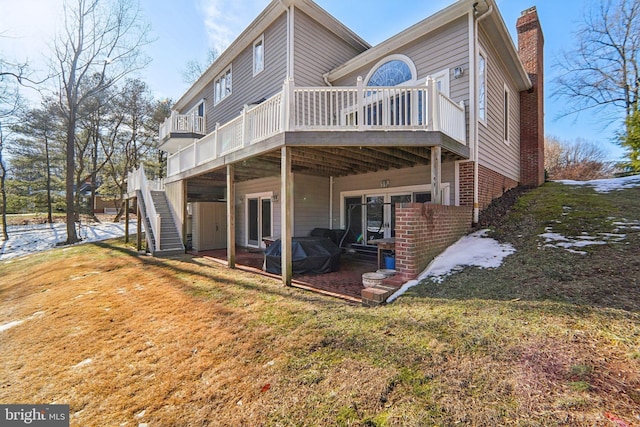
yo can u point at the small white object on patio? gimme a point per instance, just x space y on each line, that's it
473 250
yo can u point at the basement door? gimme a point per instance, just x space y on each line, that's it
259 219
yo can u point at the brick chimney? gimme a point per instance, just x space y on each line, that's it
530 50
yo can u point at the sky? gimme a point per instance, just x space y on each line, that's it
185 30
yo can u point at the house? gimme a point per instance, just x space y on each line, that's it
302 125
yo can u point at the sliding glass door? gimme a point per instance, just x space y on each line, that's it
259 219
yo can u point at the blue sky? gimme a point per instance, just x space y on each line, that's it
185 29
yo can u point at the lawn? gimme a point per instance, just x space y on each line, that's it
552 337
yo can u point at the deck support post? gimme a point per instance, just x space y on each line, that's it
286 206
139 226
231 217
126 219
436 175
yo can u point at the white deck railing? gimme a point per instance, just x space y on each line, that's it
137 180
183 123
328 109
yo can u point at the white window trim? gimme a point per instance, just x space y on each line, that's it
259 196
483 54
226 71
395 57
194 109
258 41
442 76
506 125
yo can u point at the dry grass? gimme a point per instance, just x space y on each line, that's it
127 339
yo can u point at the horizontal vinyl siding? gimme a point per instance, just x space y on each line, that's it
317 51
311 204
493 152
246 88
418 175
448 47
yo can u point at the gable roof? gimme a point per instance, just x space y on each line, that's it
494 26
272 12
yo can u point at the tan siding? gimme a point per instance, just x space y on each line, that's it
311 204
448 47
175 196
493 152
247 88
317 51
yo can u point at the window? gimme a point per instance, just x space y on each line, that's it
392 71
258 55
482 87
506 114
223 85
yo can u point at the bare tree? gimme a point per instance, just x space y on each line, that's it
100 43
194 68
579 160
602 72
11 76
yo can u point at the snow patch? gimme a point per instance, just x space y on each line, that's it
14 323
85 362
473 250
557 240
28 239
607 185
10 325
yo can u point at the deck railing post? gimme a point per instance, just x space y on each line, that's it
245 127
216 149
360 103
433 105
288 105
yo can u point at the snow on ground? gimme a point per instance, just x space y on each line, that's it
475 250
27 239
607 185
557 240
478 250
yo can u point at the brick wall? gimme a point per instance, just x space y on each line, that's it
530 51
423 231
491 184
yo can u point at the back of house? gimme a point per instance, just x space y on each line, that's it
302 127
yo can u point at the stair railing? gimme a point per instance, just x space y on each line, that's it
154 217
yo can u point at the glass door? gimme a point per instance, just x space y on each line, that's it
374 217
391 218
259 222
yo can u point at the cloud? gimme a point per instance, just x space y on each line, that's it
225 19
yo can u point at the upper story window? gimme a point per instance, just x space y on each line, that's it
482 86
392 71
223 85
258 55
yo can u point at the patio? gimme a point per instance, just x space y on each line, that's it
345 283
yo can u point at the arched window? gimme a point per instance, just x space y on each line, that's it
392 71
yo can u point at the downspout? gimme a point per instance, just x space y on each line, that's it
288 38
476 201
